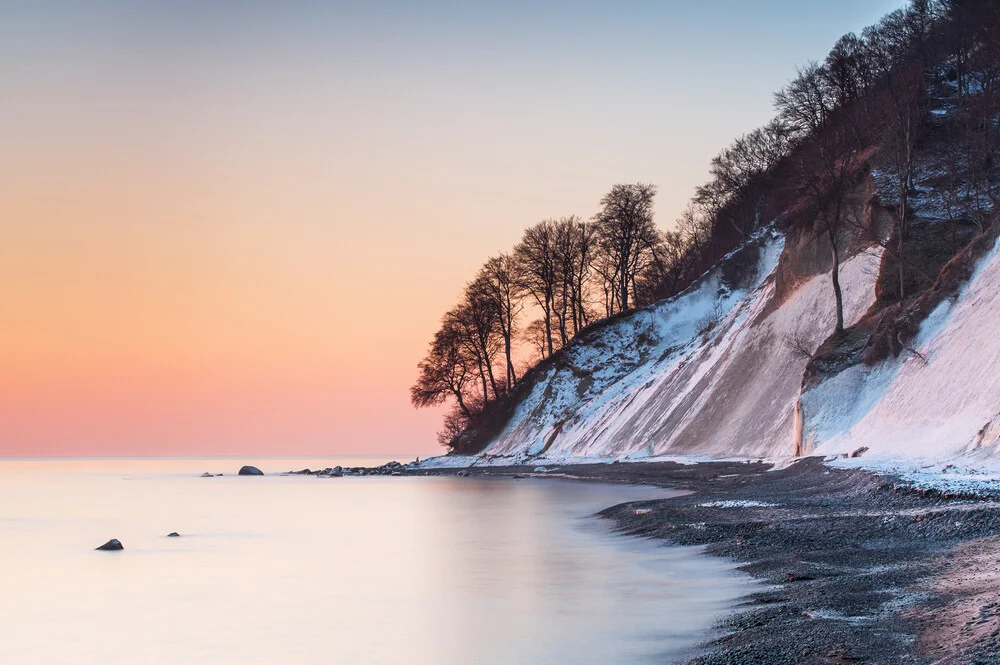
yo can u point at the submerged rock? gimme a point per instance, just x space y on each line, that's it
250 471
112 545
207 475
173 534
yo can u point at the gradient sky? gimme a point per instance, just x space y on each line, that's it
232 227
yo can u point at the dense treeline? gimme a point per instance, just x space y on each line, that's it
868 101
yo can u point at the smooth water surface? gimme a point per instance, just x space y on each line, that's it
292 569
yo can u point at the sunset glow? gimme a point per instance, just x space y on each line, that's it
233 230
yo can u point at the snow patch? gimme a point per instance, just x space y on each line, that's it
738 503
926 411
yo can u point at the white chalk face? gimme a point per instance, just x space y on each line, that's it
299 569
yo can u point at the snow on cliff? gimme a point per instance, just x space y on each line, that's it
936 405
714 371
718 372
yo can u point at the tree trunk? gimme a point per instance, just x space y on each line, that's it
901 232
837 295
511 377
489 372
902 284
562 320
486 394
461 404
623 281
548 324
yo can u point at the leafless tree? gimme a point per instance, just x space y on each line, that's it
445 372
535 336
500 282
575 245
805 104
478 321
627 234
829 159
904 113
538 270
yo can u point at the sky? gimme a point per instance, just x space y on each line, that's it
231 228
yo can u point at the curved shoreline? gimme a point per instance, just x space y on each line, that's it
861 568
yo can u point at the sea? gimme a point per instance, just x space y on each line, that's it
286 569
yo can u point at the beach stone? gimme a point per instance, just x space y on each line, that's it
250 471
173 534
112 545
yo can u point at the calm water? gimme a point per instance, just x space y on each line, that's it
421 571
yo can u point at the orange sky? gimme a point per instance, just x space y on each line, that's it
232 228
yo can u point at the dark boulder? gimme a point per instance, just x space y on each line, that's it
173 534
207 475
112 545
250 471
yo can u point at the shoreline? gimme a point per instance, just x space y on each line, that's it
859 567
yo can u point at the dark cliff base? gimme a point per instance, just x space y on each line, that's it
864 569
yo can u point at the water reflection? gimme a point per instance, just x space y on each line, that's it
362 570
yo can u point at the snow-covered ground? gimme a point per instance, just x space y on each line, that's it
716 373
933 414
713 372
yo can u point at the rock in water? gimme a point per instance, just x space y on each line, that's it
173 534
207 475
250 471
112 545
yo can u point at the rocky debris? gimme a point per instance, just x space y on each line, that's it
112 545
870 544
393 468
250 471
173 534
860 451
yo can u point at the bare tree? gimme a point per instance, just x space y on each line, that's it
584 246
905 111
499 279
627 234
829 156
564 259
606 269
575 244
445 372
535 335
538 272
806 103
738 187
478 321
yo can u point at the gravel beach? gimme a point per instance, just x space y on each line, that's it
859 568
